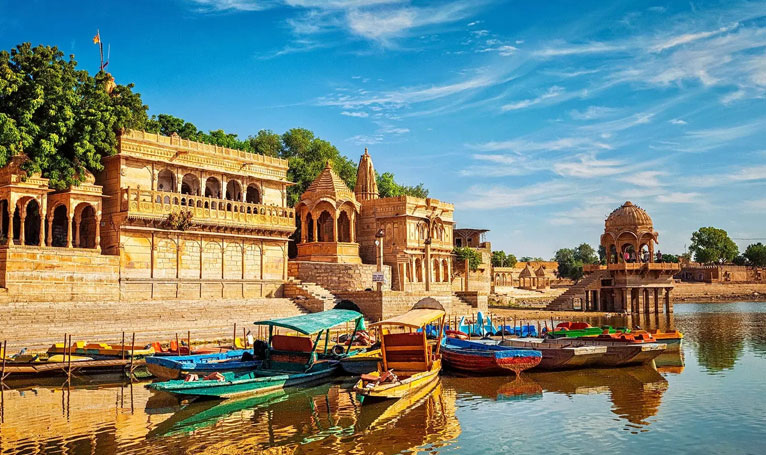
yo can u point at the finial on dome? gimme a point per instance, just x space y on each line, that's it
365 151
627 204
328 165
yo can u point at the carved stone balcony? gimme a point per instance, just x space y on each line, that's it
156 205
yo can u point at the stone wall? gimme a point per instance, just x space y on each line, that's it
34 274
719 292
338 277
377 306
39 324
175 265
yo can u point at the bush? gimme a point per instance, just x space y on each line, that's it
472 256
179 221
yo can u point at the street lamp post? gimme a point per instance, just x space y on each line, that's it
379 243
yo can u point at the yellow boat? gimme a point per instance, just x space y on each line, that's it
410 362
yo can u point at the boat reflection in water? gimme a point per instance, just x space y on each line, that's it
635 392
522 388
670 362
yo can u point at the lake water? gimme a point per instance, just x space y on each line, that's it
711 398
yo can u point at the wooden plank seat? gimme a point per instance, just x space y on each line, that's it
290 349
405 351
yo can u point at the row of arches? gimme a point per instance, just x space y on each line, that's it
629 247
325 223
190 184
26 225
440 271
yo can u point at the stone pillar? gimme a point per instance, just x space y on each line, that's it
97 244
42 225
596 301
585 302
314 223
22 218
76 239
304 229
69 234
335 227
668 301
657 307
467 270
427 267
640 300
50 230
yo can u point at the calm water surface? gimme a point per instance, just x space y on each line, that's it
711 398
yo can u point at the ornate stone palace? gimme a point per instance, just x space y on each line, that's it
169 218
631 281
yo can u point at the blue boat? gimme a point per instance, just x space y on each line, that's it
177 366
290 360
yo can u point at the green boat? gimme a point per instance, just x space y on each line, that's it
290 360
582 329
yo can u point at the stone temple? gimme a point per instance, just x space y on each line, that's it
631 281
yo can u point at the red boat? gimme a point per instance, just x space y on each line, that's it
487 358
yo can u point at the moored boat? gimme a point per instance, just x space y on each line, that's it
290 360
101 350
410 362
172 367
474 357
619 352
361 363
559 357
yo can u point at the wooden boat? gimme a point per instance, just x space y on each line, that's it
559 357
409 361
102 350
361 363
619 353
290 360
473 357
175 350
671 338
172 367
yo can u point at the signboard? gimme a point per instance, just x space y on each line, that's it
576 303
378 277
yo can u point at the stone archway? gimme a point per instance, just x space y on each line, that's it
212 188
324 227
166 181
190 185
253 195
5 220
59 227
86 237
428 303
347 305
32 223
233 190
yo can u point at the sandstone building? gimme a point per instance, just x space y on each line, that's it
631 281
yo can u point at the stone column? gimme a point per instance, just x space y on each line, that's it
41 211
585 302
335 227
657 306
49 241
22 218
427 267
304 229
668 301
76 239
315 223
69 232
97 244
640 300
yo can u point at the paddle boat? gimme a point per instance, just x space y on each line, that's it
671 338
101 350
621 350
168 367
475 357
290 360
409 360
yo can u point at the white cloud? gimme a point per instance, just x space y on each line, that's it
592 112
648 178
588 166
677 121
552 92
688 38
521 146
679 198
358 114
502 197
503 50
590 48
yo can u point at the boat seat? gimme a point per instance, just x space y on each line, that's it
579 325
289 343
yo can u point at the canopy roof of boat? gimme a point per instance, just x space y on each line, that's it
416 318
309 324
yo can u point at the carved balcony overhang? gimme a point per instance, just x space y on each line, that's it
150 206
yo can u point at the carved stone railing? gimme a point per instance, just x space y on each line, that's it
634 266
158 204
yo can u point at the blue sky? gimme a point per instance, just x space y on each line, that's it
536 118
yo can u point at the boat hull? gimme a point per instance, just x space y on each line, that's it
174 367
253 383
557 357
399 389
471 357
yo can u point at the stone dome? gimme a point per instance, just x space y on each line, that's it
628 216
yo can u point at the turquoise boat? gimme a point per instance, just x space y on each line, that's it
291 360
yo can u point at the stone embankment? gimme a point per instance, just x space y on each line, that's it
719 292
523 298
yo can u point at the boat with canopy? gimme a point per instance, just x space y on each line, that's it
409 360
290 359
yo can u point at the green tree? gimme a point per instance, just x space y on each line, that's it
601 255
571 262
667 257
62 118
266 142
387 187
585 254
531 259
710 245
471 255
501 259
166 125
756 254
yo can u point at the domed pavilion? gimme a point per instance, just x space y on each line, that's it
633 280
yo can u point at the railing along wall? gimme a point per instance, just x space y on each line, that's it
151 202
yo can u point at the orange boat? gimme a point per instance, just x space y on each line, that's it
671 338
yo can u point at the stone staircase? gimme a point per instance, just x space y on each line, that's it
460 306
312 297
564 301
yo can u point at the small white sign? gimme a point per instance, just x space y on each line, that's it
378 277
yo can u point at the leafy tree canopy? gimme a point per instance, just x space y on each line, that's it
62 118
756 254
531 259
501 259
710 245
471 255
65 121
667 257
571 260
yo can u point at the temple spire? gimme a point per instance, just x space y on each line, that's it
366 185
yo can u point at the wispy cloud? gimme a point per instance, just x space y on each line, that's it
580 49
588 166
358 114
591 113
521 146
688 38
503 197
679 198
552 92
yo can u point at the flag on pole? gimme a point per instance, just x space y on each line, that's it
97 38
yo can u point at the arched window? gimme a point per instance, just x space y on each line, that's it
166 181
212 187
324 227
190 185
233 190
253 196
32 223
344 228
